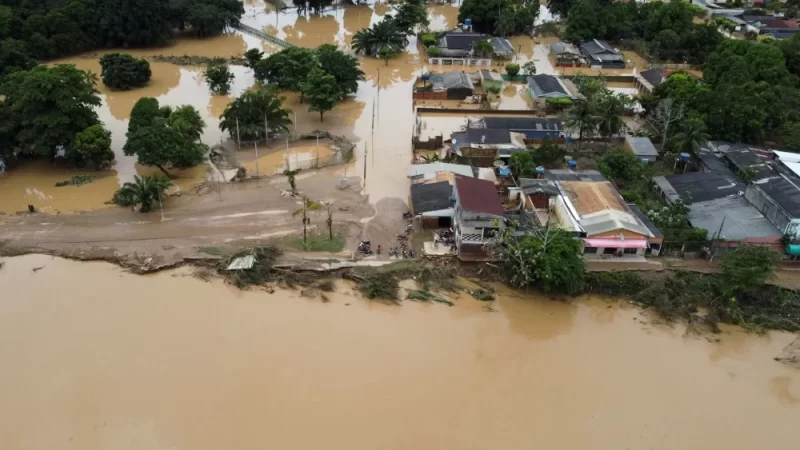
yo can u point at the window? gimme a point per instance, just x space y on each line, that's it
630 251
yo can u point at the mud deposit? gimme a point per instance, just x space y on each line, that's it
94 358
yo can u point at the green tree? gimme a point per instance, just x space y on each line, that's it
583 21
549 154
308 206
321 91
342 66
609 108
252 109
288 68
621 166
692 136
121 71
160 145
522 165
211 17
500 16
548 259
219 78
291 177
387 52
746 270
512 70
529 68
136 23
253 56
143 191
187 121
144 112
483 48
410 14
382 35
51 105
581 117
93 146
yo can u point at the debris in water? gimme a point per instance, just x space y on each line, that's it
482 295
36 269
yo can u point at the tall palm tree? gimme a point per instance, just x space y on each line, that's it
291 174
255 110
143 191
581 117
610 108
308 206
692 136
383 35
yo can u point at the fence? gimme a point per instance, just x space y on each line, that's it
260 34
429 95
462 61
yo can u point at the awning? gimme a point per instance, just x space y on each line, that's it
793 249
615 243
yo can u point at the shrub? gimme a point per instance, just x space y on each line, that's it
512 70
428 39
122 71
558 103
434 52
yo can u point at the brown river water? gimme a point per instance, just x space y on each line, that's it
168 361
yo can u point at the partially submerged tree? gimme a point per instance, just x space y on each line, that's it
321 91
255 110
160 145
288 68
308 206
253 56
342 66
529 68
186 120
384 34
512 70
121 71
143 191
219 78
93 146
290 176
410 14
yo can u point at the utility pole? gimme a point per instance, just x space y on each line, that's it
365 164
255 145
238 138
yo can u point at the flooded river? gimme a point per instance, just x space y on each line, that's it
171 362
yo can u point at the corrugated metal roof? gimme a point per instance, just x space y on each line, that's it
544 84
478 196
431 196
641 146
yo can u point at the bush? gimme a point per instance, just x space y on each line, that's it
122 71
558 103
512 70
434 52
428 39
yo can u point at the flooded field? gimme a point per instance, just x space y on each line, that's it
172 362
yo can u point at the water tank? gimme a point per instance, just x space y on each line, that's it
572 164
426 76
683 157
539 170
468 22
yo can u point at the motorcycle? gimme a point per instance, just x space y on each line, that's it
402 237
365 247
407 215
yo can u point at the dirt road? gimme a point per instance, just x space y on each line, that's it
249 213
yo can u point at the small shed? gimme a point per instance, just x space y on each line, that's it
566 54
432 204
458 85
642 147
491 79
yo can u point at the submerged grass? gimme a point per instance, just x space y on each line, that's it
427 296
319 243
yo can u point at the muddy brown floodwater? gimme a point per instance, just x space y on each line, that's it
171 362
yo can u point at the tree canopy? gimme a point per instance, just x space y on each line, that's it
321 91
121 71
93 146
342 66
288 68
504 17
384 34
251 109
50 105
219 78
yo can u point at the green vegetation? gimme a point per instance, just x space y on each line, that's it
219 78
77 180
501 17
93 146
308 207
291 178
254 110
383 36
411 14
548 155
122 72
343 67
512 70
666 29
622 166
427 296
321 91
144 191
434 52
319 243
737 297
530 68
288 68
428 39
558 104
161 136
483 49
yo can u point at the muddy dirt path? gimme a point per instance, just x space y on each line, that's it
95 359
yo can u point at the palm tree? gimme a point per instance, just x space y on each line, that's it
692 136
255 109
610 108
308 205
143 191
291 174
329 221
581 117
384 34
187 120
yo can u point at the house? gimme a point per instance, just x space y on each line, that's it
491 80
479 216
647 80
642 147
459 44
482 147
601 54
531 127
778 198
423 173
566 54
716 201
537 197
745 161
431 204
544 86
590 205
787 163
457 84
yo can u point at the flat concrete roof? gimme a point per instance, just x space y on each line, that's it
741 219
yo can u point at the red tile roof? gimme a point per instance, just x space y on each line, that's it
778 23
478 196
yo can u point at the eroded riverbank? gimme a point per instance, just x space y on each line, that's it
171 362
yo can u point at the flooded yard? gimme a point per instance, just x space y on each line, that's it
171 362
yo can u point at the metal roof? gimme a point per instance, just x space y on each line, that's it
452 80
564 47
538 186
597 47
704 186
543 84
461 41
426 170
573 175
783 192
641 146
653 76
610 220
741 219
427 197
522 123
501 45
645 220
478 196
